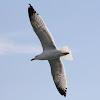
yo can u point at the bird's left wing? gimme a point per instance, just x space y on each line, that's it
41 30
58 74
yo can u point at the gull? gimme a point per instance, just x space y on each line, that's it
50 51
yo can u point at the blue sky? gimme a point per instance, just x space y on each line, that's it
75 23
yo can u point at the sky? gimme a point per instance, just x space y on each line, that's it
75 23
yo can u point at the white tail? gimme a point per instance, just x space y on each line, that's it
65 49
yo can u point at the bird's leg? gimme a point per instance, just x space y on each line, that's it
66 53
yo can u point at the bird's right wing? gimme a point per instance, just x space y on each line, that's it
58 74
41 30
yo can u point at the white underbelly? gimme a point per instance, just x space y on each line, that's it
49 55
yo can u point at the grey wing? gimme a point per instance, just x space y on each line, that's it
41 30
58 74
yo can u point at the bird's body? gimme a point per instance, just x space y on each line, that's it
50 51
49 55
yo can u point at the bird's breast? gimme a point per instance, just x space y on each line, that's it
50 55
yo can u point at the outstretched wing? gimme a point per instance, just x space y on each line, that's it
58 74
41 30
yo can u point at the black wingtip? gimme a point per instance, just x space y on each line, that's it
62 92
31 10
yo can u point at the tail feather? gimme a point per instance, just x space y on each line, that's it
68 55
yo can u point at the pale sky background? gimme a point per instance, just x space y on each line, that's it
75 23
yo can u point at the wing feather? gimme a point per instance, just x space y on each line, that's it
41 30
58 74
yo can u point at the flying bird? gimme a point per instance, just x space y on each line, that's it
50 51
